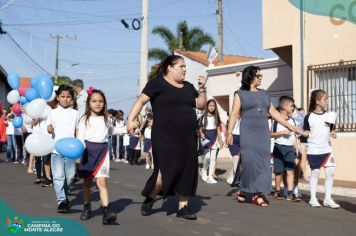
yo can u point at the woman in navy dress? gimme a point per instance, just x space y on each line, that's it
253 106
174 136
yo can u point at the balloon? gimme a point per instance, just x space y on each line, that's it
36 108
39 144
31 94
13 80
13 96
70 148
33 82
46 112
44 86
23 100
17 122
17 109
22 90
55 88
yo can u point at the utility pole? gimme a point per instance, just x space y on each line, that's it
219 12
144 46
58 37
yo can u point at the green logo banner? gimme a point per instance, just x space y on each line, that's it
14 223
338 11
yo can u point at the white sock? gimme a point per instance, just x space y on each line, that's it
235 161
213 155
296 190
313 182
206 159
329 179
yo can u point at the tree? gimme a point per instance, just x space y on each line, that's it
186 39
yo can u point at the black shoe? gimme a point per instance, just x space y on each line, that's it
278 195
37 181
146 206
47 183
109 216
185 213
63 207
86 211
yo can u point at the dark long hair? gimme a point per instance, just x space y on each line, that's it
169 61
248 75
104 111
216 114
315 96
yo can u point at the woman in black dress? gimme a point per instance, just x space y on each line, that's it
174 137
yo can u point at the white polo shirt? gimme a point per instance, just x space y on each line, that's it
319 136
95 130
64 122
287 140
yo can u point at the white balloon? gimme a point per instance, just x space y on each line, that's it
46 112
13 96
52 97
39 144
36 108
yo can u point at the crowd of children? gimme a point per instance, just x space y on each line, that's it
103 133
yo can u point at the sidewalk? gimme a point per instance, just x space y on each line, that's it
340 188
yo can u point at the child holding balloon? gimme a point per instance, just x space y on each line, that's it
61 123
94 129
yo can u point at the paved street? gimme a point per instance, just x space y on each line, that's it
218 212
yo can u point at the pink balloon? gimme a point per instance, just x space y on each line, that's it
22 90
17 109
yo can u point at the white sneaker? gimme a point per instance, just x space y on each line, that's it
211 180
313 202
117 160
152 167
147 167
229 180
125 161
330 203
204 175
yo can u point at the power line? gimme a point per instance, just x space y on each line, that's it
27 55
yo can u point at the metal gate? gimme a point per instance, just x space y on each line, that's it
339 81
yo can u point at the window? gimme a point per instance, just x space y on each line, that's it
339 81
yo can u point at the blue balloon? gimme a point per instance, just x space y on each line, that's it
23 100
31 94
44 86
34 81
13 80
70 148
17 122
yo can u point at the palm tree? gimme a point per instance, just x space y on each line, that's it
186 39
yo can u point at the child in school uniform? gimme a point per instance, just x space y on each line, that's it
94 129
284 151
319 150
120 123
147 146
134 148
234 149
210 134
62 123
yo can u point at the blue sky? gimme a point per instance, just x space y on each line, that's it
108 55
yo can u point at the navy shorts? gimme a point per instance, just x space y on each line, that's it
318 160
46 158
284 158
235 147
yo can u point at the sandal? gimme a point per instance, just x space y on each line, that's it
240 197
260 200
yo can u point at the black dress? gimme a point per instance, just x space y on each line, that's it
174 137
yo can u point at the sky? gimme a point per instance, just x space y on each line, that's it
97 48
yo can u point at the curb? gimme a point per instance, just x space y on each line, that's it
225 163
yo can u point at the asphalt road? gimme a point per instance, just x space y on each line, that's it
218 212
